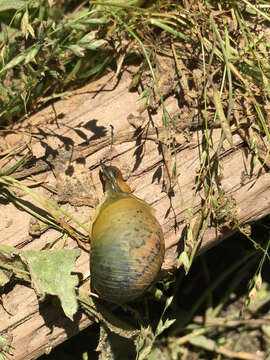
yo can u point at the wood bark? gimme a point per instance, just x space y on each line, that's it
35 327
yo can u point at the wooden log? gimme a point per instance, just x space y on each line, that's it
84 120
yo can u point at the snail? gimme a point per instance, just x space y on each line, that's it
127 243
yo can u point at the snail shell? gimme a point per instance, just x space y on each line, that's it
127 243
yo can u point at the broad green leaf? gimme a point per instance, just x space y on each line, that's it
11 263
50 274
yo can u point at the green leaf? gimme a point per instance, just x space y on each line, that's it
76 49
11 4
163 326
4 277
8 250
24 23
87 38
11 263
5 344
101 20
184 260
15 61
90 42
96 69
50 274
32 53
203 342
144 343
95 45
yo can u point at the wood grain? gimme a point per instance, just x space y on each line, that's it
36 327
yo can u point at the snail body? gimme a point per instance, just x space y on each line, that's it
127 243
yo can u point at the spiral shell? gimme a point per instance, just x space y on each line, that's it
127 244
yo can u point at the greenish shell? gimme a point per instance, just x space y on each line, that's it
127 248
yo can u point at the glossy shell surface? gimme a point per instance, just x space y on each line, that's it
127 248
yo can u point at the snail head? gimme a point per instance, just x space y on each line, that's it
112 179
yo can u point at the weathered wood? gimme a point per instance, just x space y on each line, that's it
37 327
